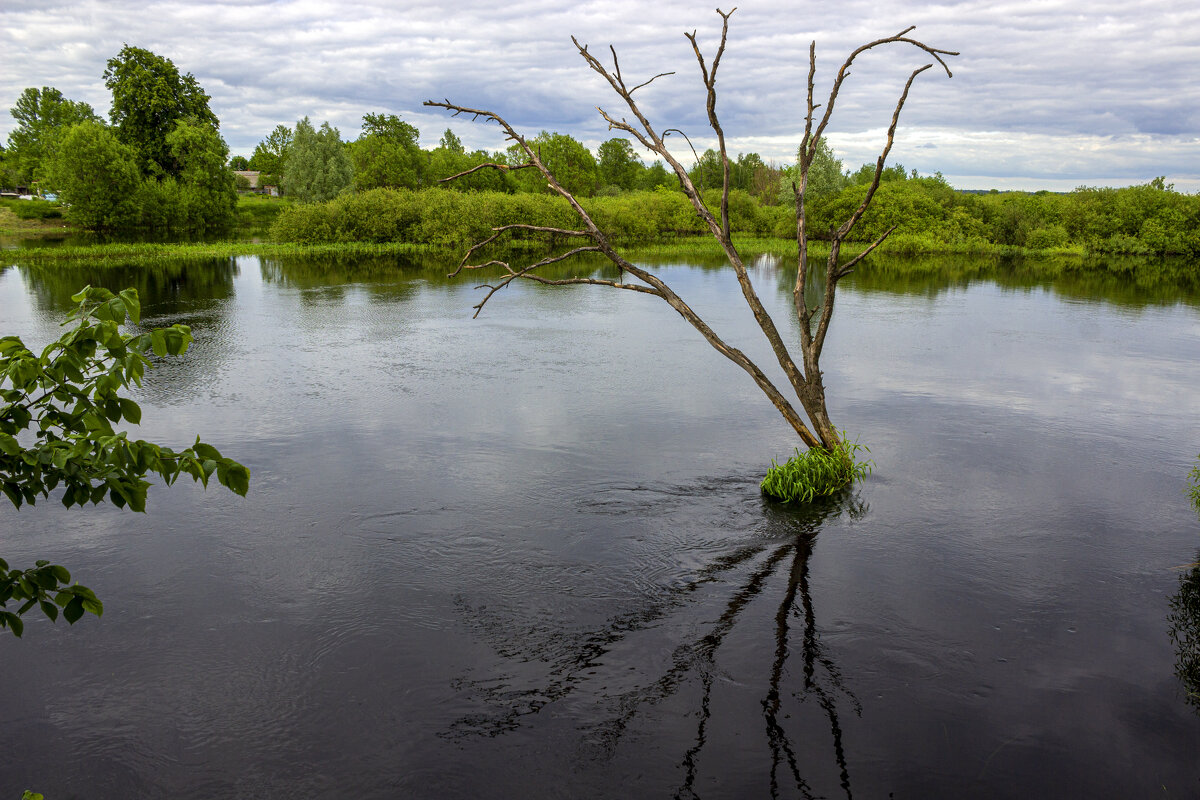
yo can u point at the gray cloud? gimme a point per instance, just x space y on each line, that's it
1045 91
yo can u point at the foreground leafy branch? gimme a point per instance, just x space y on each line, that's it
57 412
804 375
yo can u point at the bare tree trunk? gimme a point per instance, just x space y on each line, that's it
804 378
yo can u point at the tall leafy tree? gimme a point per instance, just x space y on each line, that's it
199 153
317 166
451 142
270 153
571 162
387 154
97 176
825 176
707 172
619 165
150 97
42 116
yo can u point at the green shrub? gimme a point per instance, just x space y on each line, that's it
1193 490
35 209
816 473
1046 238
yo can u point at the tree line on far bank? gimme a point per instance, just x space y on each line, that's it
160 164
929 216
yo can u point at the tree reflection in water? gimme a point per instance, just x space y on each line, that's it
781 555
1184 620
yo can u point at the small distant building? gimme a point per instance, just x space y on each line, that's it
252 176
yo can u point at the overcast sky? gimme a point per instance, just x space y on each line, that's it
1047 94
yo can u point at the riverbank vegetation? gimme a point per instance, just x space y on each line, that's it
168 173
929 217
1193 489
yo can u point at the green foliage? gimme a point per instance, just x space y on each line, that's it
42 116
56 430
269 154
209 194
149 98
572 164
1184 631
816 473
619 165
239 163
451 142
438 217
825 177
96 176
317 166
654 176
45 586
387 154
1193 488
34 209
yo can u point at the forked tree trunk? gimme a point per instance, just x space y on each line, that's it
805 377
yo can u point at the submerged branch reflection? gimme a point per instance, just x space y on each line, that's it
774 563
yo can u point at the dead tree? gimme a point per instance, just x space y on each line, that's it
804 377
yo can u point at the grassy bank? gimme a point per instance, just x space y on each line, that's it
671 247
127 253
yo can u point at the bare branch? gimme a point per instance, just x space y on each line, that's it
669 131
633 287
848 267
887 148
710 84
524 272
844 71
652 80
498 232
501 167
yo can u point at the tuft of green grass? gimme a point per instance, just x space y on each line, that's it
1193 488
816 473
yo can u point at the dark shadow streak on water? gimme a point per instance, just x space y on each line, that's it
798 529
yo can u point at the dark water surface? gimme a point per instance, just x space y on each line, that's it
526 555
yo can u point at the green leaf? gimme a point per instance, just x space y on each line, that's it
131 410
14 623
45 579
50 610
64 577
205 451
73 610
9 445
158 342
133 306
234 476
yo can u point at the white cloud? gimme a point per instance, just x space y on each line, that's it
1044 92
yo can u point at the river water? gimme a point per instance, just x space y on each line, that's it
525 555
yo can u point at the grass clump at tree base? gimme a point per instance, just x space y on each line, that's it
816 473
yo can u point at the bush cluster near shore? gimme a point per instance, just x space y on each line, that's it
929 216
